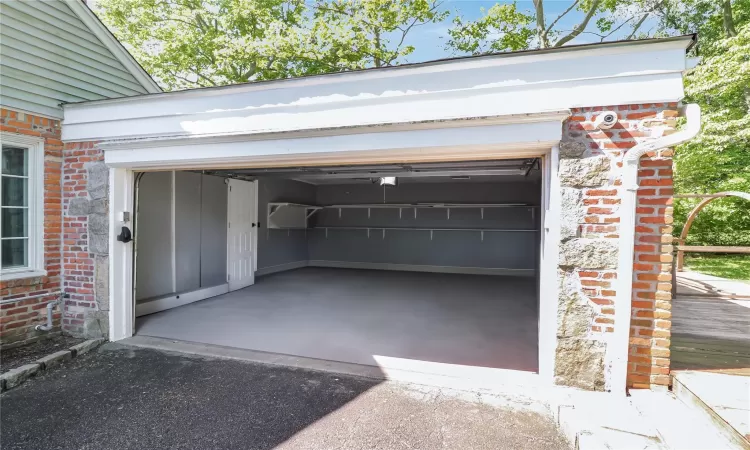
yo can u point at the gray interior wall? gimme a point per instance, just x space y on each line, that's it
153 236
199 232
281 247
213 236
507 250
187 230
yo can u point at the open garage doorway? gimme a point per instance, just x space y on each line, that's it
388 265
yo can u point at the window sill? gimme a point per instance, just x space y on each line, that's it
22 274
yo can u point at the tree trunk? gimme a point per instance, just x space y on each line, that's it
541 29
728 19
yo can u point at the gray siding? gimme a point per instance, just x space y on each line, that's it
49 56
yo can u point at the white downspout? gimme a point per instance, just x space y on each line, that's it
621 338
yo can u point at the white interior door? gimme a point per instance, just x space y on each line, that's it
242 213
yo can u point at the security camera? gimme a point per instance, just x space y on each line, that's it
606 120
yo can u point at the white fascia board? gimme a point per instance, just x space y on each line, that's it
366 146
524 84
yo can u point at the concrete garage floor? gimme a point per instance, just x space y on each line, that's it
122 397
359 316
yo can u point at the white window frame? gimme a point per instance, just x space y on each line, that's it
35 147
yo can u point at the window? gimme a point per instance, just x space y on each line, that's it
21 203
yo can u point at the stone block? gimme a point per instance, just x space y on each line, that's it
580 363
55 359
101 282
99 206
571 212
96 325
571 149
78 206
14 377
586 172
86 346
575 313
98 224
586 253
99 244
97 175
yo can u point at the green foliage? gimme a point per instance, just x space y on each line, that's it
198 43
510 26
719 158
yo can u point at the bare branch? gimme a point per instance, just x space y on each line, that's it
614 30
581 26
637 26
554 22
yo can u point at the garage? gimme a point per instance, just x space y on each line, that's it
429 263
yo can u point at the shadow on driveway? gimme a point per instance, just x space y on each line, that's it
125 397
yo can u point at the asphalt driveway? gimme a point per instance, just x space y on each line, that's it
123 397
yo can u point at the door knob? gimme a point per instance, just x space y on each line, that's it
125 236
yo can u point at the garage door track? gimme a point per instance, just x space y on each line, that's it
123 397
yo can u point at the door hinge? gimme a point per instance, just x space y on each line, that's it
229 277
229 224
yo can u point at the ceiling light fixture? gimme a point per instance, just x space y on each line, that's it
388 181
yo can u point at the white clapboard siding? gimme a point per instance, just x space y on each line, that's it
48 56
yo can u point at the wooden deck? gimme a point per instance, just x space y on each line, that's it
710 332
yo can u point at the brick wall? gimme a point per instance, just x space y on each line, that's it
18 318
86 240
591 171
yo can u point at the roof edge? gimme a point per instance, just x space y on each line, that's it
688 41
89 18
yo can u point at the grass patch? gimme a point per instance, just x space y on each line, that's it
733 267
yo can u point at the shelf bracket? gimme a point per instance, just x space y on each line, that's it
482 235
482 212
431 231
449 213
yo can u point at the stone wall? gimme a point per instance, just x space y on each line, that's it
86 240
590 177
19 314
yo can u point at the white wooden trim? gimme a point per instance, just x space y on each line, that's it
121 310
421 268
549 248
113 45
281 268
510 140
36 263
174 300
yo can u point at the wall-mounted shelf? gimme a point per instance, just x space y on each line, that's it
431 230
287 216
446 206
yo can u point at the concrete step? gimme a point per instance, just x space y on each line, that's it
722 399
596 421
679 427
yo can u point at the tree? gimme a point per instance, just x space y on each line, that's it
199 43
504 27
719 158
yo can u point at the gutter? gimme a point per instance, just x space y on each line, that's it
621 338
